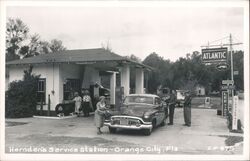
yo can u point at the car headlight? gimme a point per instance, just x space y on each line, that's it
146 116
138 123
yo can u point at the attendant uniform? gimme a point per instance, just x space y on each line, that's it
172 102
87 104
187 110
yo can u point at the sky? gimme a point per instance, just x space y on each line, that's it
171 32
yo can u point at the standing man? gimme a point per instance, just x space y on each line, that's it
187 109
86 103
172 102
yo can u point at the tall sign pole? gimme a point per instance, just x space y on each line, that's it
219 57
232 66
234 117
234 98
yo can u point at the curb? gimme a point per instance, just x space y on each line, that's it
55 117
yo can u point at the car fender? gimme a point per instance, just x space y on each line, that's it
156 116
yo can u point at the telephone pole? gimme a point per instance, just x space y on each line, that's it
231 52
232 65
230 45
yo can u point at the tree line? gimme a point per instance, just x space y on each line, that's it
20 43
188 72
184 73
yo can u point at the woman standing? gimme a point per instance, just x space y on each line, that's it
100 114
78 103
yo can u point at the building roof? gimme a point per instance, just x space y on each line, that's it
81 56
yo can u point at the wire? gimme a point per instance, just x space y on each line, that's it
236 39
219 39
211 43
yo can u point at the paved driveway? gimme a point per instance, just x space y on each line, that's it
207 135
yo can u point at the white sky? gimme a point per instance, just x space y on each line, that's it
171 32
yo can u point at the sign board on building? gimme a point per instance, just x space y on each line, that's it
227 82
213 55
225 98
235 114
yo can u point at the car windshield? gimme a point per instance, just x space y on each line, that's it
138 99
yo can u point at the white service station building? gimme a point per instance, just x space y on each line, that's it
70 69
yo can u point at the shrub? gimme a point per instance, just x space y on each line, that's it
20 97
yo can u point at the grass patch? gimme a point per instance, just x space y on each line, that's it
197 102
232 140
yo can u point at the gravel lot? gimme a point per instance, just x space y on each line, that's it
207 135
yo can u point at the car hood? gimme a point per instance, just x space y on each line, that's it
136 110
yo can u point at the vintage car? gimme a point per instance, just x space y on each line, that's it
140 112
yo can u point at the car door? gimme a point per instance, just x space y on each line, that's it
160 110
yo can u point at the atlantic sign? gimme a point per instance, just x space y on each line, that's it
214 55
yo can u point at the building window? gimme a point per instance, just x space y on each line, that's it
69 87
41 91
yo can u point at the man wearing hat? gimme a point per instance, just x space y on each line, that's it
172 102
187 109
86 103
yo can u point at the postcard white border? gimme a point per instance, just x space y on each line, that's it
76 3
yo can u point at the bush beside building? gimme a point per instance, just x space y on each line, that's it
20 98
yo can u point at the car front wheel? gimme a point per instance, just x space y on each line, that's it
147 131
163 123
112 130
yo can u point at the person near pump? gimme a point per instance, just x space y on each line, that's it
165 97
187 109
172 102
86 103
78 103
100 113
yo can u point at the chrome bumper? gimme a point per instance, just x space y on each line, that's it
142 126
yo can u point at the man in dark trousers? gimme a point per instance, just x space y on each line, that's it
172 102
86 103
187 109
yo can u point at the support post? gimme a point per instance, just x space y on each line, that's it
125 79
48 105
139 81
146 81
112 88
